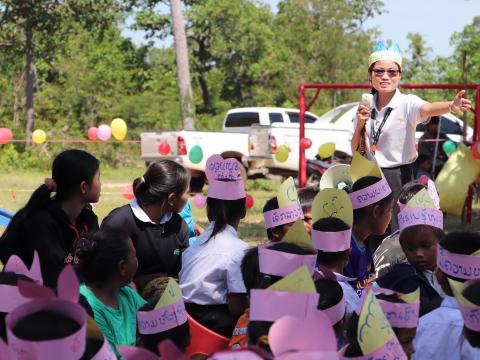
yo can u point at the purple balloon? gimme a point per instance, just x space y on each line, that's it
199 201
104 132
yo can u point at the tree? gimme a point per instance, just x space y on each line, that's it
24 23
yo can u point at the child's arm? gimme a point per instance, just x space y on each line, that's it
458 104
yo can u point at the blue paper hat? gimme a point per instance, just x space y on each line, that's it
382 52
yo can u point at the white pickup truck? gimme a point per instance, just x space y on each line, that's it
232 141
333 126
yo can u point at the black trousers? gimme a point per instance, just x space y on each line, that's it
215 317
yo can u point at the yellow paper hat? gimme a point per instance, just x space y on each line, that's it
420 210
375 336
332 203
287 193
170 295
298 235
298 281
362 167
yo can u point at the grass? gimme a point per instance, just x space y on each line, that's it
16 188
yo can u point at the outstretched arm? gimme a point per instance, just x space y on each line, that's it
458 104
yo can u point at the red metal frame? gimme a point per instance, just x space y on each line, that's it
302 172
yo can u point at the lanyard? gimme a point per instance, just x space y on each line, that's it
376 134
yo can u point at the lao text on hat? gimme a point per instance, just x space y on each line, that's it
332 203
280 263
382 52
362 167
168 313
403 314
289 208
70 347
224 178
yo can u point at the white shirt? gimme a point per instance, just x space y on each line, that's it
440 333
211 268
396 144
141 215
469 352
351 298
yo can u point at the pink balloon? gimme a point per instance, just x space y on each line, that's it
104 132
199 201
128 193
306 143
5 135
92 133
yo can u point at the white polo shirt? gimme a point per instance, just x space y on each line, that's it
211 268
396 145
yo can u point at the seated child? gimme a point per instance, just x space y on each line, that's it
419 243
281 212
331 236
210 278
306 196
169 307
471 329
108 265
439 333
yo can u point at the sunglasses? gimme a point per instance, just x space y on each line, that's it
390 72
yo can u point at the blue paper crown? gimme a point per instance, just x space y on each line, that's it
379 46
381 52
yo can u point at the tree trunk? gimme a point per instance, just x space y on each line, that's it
183 70
30 83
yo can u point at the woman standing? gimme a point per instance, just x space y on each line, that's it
389 136
151 220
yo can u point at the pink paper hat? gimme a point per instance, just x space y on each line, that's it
399 315
392 350
371 194
298 338
465 267
224 178
280 263
331 241
16 265
162 319
71 347
135 353
241 354
271 305
7 353
105 352
421 209
470 311
336 312
282 216
11 297
169 351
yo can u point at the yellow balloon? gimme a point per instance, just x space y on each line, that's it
119 128
326 150
282 153
39 136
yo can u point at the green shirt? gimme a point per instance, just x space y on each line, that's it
119 326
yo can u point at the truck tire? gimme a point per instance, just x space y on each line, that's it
197 183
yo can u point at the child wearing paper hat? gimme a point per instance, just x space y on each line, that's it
469 302
282 211
372 203
164 317
439 333
370 334
210 278
306 196
421 228
332 302
108 266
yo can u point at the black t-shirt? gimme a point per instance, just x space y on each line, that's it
159 246
53 236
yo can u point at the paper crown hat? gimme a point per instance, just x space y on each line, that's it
289 208
292 338
336 312
399 315
461 266
332 203
470 311
362 167
224 178
11 296
281 263
242 354
375 336
420 210
168 313
93 332
167 349
70 347
293 295
381 52
337 177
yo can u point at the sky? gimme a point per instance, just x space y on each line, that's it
435 20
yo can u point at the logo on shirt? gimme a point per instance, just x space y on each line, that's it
176 252
401 119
